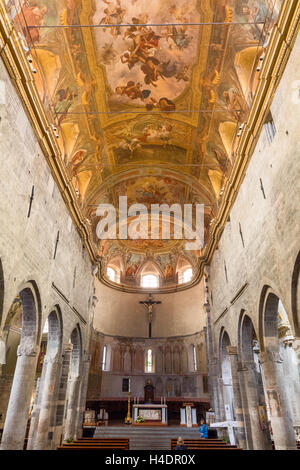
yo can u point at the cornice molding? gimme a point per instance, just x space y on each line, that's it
280 45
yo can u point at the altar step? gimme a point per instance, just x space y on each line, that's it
147 438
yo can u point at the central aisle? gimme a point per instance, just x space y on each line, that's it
147 438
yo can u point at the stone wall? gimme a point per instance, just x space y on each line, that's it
119 313
253 285
260 243
40 247
173 373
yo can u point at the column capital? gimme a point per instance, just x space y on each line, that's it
273 356
52 359
27 350
232 350
246 365
241 366
68 347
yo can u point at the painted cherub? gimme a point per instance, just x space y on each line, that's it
133 91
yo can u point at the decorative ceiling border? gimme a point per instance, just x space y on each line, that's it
282 39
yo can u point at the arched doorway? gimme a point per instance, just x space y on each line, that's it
278 363
25 313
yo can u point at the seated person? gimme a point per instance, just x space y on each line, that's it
180 444
203 429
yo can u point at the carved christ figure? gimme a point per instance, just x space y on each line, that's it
149 306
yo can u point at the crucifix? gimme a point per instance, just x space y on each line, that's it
149 306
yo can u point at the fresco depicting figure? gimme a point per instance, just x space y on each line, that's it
32 14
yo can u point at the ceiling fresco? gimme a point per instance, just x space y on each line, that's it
147 100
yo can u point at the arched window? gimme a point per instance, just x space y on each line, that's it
149 360
185 276
194 358
149 280
111 274
104 357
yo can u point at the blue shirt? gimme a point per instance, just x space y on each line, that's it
203 431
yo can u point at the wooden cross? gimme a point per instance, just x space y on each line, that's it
149 306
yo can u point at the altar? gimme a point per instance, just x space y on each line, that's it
153 414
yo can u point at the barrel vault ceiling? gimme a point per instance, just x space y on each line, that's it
148 99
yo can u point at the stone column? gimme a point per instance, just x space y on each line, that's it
260 439
212 365
222 415
281 422
59 398
46 402
83 393
292 378
20 397
237 399
247 423
35 414
72 407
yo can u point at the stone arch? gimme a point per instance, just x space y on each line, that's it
224 358
55 330
31 315
268 319
276 357
295 293
246 336
76 355
24 374
254 393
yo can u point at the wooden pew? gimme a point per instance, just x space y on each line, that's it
96 444
204 444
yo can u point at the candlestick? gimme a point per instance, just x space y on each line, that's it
128 419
